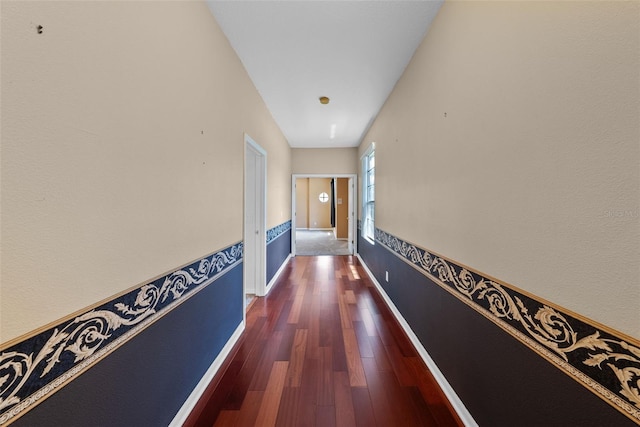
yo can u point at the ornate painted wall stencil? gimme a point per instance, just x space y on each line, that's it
37 366
277 231
607 364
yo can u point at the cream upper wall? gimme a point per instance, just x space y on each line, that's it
302 203
511 144
278 165
319 213
324 160
122 150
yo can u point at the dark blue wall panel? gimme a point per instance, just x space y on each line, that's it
501 381
146 380
277 252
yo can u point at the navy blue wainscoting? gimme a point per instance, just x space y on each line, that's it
278 248
501 381
146 380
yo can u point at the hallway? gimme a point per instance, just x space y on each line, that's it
322 349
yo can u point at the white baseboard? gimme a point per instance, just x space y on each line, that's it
275 276
206 379
455 401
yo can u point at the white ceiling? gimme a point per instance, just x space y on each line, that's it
354 52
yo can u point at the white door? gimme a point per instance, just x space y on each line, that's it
255 240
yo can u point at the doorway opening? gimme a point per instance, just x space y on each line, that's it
255 219
323 214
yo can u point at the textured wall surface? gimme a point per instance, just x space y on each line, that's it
122 159
319 212
482 340
122 150
302 202
146 380
324 161
511 144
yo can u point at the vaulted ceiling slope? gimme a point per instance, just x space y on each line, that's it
353 52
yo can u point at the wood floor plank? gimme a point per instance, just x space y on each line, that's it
308 390
350 297
268 412
227 419
380 354
208 411
345 416
345 316
312 322
402 341
282 322
243 379
325 326
276 312
286 344
306 315
381 405
354 313
425 416
294 314
325 381
353 272
431 393
399 399
400 365
263 370
354 361
323 349
425 381
287 413
299 268
294 375
337 342
364 345
249 338
326 416
362 407
367 319
249 409
320 287
383 330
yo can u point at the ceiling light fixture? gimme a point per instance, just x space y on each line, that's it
324 100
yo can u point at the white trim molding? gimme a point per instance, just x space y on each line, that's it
275 277
456 403
206 379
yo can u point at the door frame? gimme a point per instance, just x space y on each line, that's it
256 265
353 196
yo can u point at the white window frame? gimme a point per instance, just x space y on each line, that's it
368 194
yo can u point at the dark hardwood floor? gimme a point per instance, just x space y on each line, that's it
322 349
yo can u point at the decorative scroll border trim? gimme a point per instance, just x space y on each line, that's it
277 231
590 354
34 368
